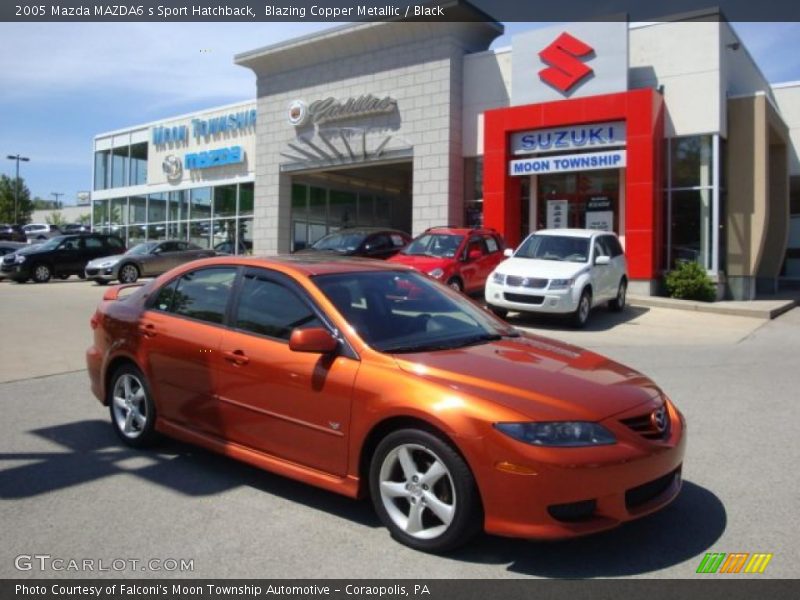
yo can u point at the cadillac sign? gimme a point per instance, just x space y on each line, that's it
330 109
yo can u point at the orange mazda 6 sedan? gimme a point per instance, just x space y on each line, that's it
366 378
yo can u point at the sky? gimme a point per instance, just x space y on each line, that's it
63 83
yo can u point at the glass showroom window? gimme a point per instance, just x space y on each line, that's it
99 213
246 199
473 191
225 201
157 208
138 175
201 203
693 200
102 160
119 166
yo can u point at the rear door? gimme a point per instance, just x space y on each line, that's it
602 275
92 247
180 338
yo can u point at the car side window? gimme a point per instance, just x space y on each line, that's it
169 247
600 249
491 244
269 308
113 242
476 244
613 245
397 240
201 294
91 243
379 241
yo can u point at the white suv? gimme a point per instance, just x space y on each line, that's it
567 271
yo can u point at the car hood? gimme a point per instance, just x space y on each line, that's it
33 249
546 269
421 262
97 261
539 378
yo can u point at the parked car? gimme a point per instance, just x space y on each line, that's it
12 233
229 247
564 271
461 258
76 228
147 259
367 242
8 248
328 372
59 257
38 232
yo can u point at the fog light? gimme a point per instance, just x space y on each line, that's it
553 302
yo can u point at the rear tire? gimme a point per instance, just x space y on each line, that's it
581 315
618 303
456 284
42 273
424 491
133 413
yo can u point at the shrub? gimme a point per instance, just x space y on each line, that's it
689 281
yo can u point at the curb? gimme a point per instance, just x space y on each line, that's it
774 310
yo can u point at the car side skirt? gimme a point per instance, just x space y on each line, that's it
347 486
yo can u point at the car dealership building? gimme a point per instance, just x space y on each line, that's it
666 133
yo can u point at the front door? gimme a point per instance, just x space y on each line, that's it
292 405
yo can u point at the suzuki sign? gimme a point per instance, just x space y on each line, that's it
569 61
561 139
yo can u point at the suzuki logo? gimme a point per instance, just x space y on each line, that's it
565 70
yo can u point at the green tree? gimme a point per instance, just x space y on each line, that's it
84 219
24 204
55 218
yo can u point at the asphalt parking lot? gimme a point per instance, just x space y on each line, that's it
69 489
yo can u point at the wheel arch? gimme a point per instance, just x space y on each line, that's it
115 363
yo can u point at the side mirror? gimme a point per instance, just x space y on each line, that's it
602 260
314 339
474 254
508 252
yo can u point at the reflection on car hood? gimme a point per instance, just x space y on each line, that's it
97 261
545 269
539 378
421 262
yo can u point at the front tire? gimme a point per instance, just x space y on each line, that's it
581 315
128 273
42 273
133 413
456 284
424 492
618 303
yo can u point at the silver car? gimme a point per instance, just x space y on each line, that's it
147 259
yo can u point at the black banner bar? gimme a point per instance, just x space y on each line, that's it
383 10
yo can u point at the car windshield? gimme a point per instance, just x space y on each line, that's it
443 245
555 247
143 248
397 312
51 244
340 242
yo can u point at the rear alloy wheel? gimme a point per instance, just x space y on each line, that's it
132 410
499 312
128 273
455 283
581 315
424 492
42 273
618 303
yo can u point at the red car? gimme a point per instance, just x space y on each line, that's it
461 258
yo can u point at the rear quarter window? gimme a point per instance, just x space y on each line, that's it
203 294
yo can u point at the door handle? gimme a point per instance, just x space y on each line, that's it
237 357
147 329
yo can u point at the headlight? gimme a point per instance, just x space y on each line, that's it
561 284
498 278
564 434
19 259
106 263
436 273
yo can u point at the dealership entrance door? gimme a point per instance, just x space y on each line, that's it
581 199
326 201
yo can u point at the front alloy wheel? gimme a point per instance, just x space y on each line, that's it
618 303
128 273
423 491
42 273
581 315
132 409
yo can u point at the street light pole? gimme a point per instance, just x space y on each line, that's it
57 196
17 158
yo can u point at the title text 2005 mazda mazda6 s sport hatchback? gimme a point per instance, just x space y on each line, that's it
371 379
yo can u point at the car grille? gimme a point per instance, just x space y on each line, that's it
647 425
8 261
526 282
522 298
91 272
573 512
652 489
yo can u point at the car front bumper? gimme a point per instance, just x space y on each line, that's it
531 300
95 273
556 493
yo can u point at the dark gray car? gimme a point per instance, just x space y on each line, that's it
147 259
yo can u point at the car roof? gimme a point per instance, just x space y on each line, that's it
304 264
459 230
365 230
578 233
